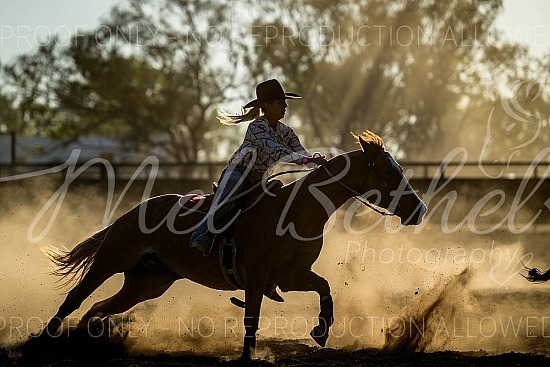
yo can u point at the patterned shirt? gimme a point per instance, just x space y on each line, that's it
263 146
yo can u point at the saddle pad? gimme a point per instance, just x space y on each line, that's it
196 201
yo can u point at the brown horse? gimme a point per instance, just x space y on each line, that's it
279 240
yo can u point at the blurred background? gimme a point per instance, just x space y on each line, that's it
134 78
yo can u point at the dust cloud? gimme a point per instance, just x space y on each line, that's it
408 290
29 294
428 291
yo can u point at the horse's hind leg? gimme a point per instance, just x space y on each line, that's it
106 263
144 281
91 281
307 280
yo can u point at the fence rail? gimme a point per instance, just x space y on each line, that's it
210 171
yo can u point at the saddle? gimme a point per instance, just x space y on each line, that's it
196 202
225 242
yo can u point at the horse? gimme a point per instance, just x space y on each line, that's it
149 244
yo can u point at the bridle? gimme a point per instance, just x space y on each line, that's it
358 196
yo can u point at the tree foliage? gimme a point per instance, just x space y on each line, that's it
145 77
427 75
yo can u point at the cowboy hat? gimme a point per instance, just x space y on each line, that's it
270 90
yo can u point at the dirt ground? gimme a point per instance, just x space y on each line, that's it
93 352
489 307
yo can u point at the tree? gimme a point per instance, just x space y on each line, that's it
289 47
416 72
150 77
426 75
512 119
146 77
29 96
9 117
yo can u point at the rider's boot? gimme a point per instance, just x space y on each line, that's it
203 243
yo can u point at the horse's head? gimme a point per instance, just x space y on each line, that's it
384 183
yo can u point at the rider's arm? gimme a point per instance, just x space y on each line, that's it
263 140
292 141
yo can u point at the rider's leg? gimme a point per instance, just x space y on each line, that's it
223 210
222 213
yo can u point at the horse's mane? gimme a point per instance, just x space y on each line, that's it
370 138
339 162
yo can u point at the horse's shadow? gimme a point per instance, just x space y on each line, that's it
93 347
87 346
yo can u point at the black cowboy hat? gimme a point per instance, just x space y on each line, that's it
270 90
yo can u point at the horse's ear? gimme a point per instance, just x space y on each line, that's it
364 145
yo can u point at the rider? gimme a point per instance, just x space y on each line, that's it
267 141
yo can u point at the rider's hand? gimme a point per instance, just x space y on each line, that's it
319 160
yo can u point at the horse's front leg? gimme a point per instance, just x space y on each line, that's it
255 285
307 280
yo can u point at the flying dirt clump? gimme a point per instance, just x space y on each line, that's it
424 325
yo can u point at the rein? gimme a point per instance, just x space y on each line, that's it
257 185
357 196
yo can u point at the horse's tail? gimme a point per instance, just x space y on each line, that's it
75 264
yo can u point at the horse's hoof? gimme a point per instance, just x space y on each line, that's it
245 359
33 342
249 348
320 336
246 356
37 343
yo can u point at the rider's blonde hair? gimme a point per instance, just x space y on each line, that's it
249 114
